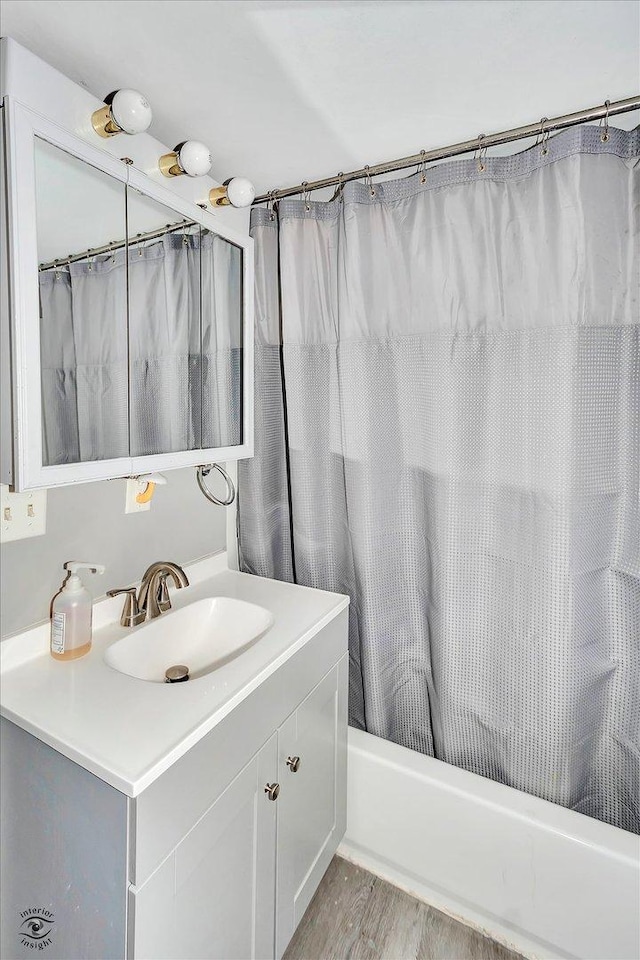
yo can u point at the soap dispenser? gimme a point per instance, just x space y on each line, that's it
71 615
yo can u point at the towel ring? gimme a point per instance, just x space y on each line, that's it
204 471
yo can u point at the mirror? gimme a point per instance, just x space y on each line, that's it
141 320
83 309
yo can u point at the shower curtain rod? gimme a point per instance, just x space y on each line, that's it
115 245
543 126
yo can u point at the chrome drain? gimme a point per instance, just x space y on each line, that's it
176 674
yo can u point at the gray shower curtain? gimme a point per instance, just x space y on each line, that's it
447 429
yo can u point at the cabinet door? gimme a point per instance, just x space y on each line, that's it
312 802
213 897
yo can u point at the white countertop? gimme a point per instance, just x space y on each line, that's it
129 731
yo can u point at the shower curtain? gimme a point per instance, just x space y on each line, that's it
142 357
447 429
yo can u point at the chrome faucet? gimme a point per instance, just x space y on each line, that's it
153 597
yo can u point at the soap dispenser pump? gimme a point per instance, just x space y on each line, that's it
71 611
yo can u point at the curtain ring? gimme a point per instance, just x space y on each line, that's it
369 181
422 167
306 196
337 193
543 136
89 258
480 154
604 136
271 205
56 272
204 471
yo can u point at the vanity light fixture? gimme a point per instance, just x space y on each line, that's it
126 111
238 192
190 157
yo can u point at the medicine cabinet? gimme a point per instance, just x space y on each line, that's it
130 314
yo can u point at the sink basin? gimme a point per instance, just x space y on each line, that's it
202 635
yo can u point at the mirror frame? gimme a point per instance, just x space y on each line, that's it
22 125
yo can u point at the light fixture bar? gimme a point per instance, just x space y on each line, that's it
467 146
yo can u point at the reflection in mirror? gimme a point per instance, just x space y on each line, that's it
83 316
140 320
164 328
185 328
221 342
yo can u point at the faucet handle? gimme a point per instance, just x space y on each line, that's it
164 600
132 615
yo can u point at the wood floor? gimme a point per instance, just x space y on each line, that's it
357 916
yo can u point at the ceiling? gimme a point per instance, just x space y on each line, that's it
289 90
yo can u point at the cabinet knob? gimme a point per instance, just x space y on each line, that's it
272 790
293 763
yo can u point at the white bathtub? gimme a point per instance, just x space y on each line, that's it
545 880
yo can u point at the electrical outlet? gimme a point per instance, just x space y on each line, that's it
22 514
131 504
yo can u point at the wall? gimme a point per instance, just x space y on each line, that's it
87 521
290 90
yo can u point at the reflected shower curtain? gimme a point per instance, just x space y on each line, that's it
83 359
447 429
182 340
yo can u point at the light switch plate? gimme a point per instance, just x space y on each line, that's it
22 514
134 487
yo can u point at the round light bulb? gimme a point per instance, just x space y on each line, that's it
194 158
240 192
131 111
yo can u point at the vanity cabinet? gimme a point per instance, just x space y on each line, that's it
242 877
218 857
